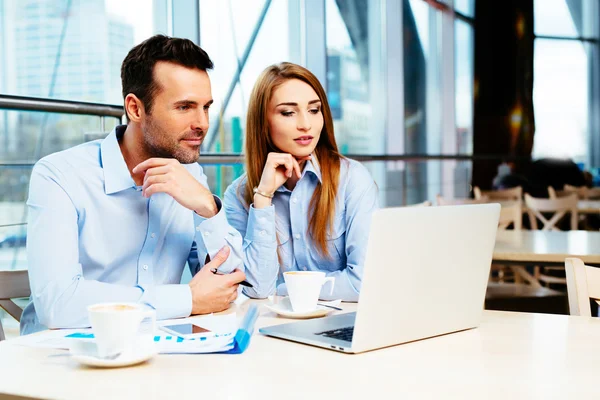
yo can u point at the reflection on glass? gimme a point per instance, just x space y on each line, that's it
70 50
225 32
422 93
570 18
348 74
399 192
466 7
560 98
464 86
28 136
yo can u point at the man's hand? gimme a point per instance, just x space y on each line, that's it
214 293
167 175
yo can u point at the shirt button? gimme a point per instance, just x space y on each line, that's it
294 200
145 267
263 233
198 228
297 236
153 235
206 234
304 268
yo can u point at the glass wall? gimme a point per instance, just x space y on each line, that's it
438 96
348 75
228 31
566 41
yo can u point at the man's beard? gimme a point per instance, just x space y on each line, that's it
156 144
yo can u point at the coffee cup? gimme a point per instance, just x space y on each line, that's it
117 326
304 288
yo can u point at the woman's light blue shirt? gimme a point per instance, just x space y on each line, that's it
283 229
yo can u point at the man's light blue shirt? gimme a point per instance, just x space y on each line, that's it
277 239
92 237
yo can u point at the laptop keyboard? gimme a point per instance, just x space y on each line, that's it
340 334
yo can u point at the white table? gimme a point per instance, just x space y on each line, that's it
588 206
546 247
512 355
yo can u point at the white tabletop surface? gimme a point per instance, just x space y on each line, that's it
511 355
588 206
547 246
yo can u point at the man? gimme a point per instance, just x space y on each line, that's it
115 220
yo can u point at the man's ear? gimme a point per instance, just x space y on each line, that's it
134 108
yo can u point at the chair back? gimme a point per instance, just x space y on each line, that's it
423 204
515 193
454 202
559 206
13 284
511 213
583 192
583 284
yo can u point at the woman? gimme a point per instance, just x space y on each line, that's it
300 205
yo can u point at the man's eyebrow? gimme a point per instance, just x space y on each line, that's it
192 103
186 103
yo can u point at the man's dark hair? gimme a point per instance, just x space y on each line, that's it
138 67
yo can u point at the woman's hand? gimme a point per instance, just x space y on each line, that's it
278 169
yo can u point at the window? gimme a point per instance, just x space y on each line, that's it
566 41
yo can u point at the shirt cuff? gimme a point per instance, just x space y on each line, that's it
215 233
169 301
261 225
213 230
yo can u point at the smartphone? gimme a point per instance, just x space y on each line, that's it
186 331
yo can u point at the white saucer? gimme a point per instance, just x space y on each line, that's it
284 308
86 352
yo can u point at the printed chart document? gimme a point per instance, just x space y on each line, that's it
227 335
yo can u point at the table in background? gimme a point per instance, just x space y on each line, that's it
546 247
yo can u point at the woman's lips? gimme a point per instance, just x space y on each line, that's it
304 140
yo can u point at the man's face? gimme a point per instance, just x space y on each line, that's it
178 121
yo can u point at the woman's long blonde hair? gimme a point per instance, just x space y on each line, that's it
259 144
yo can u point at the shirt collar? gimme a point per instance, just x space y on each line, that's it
116 174
313 167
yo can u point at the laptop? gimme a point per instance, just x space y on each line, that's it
426 273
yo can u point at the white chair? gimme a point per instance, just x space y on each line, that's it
454 202
426 203
558 206
515 193
583 192
583 284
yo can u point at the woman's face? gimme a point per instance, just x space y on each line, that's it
295 118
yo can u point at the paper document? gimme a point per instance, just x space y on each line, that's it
227 335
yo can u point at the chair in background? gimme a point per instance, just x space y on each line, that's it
515 193
13 284
583 192
555 194
455 202
559 207
426 203
511 214
583 284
